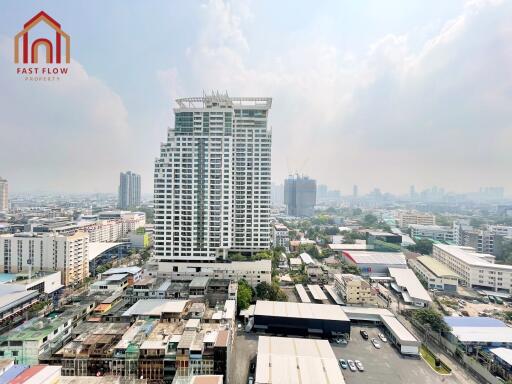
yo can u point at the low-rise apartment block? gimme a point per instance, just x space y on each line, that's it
46 252
434 232
353 289
280 236
437 275
406 218
476 270
254 272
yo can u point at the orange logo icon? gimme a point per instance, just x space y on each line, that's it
53 49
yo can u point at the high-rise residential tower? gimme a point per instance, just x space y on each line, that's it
212 179
300 196
4 195
129 190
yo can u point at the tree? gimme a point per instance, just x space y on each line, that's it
244 294
349 268
423 246
432 318
370 220
273 292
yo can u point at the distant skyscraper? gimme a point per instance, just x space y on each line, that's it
129 190
355 191
412 192
212 179
4 195
300 196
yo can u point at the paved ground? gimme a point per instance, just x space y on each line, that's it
244 350
385 365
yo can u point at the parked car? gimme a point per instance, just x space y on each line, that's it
364 334
376 343
485 299
383 338
491 299
351 365
498 300
343 363
251 380
359 365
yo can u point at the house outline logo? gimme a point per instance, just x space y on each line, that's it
53 52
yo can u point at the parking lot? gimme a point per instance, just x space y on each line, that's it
382 366
385 365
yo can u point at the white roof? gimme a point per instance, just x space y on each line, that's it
306 258
300 310
97 248
398 330
287 360
483 334
348 247
330 290
317 292
504 354
303 295
369 257
295 261
130 270
406 278
155 307
471 257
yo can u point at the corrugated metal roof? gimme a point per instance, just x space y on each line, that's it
286 360
300 310
317 292
406 278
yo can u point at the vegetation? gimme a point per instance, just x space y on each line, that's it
244 294
350 237
272 292
369 220
349 268
423 246
432 318
434 361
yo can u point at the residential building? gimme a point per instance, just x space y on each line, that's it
481 240
437 275
280 236
300 196
212 179
129 190
406 218
353 289
4 195
434 232
476 270
502 230
254 272
46 252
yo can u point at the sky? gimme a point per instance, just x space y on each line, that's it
382 94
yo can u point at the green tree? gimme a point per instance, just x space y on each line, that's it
349 268
423 246
370 220
434 319
244 294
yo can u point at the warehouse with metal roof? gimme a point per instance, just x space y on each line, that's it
284 360
301 319
438 275
407 284
372 263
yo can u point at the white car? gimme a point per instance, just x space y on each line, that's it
383 338
351 365
359 365
376 343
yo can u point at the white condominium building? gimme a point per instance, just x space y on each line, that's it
406 218
212 179
476 270
4 195
44 252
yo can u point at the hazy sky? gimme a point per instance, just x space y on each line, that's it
375 93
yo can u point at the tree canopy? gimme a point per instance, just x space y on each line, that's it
244 294
434 319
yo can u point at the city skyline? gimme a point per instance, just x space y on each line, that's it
368 87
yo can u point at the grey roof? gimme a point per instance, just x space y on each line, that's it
199 282
300 310
406 278
155 307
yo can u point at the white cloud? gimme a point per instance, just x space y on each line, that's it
394 116
66 135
